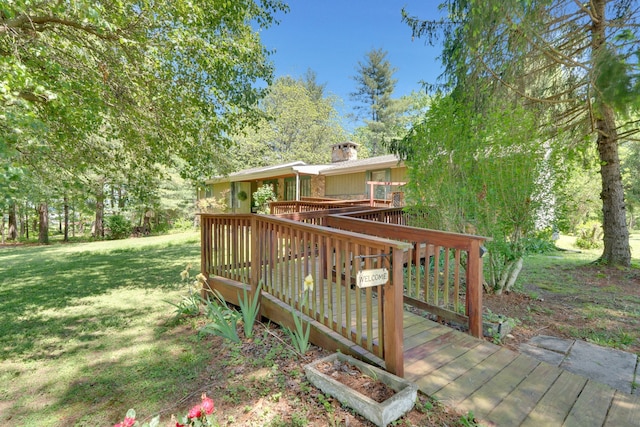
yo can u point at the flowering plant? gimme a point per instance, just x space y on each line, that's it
201 415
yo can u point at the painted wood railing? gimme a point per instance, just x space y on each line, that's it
279 253
442 271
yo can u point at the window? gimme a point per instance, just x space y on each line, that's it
381 175
290 187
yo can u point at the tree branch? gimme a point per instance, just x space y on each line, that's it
38 23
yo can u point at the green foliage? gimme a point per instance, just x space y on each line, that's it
183 224
478 173
118 227
589 235
249 307
469 420
539 242
189 306
300 123
262 197
517 52
299 335
115 89
374 89
223 319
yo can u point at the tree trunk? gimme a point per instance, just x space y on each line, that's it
66 219
616 234
13 223
99 226
26 219
43 229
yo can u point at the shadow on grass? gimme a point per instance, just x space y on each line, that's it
43 291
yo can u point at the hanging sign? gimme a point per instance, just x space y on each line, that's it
375 277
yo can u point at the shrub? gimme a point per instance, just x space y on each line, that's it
262 197
183 224
119 227
589 235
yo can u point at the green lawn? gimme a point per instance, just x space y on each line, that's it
85 331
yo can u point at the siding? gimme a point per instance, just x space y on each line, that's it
399 174
352 184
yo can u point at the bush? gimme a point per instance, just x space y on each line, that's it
118 227
540 242
183 224
589 235
262 197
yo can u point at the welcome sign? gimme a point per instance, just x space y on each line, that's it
375 277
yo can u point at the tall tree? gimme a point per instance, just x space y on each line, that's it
297 126
374 89
573 63
166 79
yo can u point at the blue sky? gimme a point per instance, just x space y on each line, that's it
331 36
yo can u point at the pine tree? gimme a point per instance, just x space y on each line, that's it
375 86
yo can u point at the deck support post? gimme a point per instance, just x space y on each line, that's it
393 312
474 289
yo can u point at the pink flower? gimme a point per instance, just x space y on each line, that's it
194 412
128 422
180 425
207 405
118 425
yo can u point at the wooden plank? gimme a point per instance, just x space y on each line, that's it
441 357
439 378
487 397
624 411
418 327
424 336
515 407
554 407
432 348
455 392
591 407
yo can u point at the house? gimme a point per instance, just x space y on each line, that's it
346 178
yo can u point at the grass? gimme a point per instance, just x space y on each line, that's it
84 333
581 299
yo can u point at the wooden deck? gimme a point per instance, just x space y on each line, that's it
503 387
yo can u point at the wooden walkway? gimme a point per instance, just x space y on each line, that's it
504 388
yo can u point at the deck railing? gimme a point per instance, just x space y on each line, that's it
292 206
279 253
443 271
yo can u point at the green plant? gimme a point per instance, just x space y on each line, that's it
223 319
589 235
469 420
262 197
249 307
118 227
189 306
183 224
299 336
242 195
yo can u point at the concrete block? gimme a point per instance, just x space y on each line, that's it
542 354
609 366
380 414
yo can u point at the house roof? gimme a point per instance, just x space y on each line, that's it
362 165
300 167
263 172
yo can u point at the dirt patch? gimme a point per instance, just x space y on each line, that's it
261 382
595 303
352 377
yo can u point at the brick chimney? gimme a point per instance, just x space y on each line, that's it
344 151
